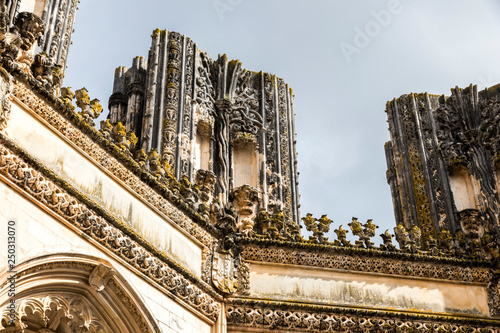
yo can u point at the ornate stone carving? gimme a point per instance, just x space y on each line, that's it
90 109
205 180
5 90
244 116
245 201
28 28
100 276
403 264
224 273
364 232
55 314
98 228
318 229
95 151
284 317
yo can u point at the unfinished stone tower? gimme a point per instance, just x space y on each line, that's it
206 117
443 161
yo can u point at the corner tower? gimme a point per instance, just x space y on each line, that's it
212 118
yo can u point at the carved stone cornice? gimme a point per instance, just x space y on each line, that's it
52 192
289 317
459 270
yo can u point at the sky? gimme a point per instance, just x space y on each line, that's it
343 59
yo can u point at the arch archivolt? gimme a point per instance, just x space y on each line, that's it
70 293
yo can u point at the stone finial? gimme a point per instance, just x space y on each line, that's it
341 237
318 227
387 241
87 112
364 232
96 107
245 201
154 164
67 97
142 158
445 241
402 236
264 220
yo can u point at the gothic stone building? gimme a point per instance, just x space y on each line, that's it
180 212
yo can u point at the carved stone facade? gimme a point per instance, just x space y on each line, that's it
201 114
442 165
181 213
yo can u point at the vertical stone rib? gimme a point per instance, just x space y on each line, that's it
180 113
409 211
263 148
442 171
151 83
430 221
278 145
161 87
66 24
68 31
191 123
171 109
393 184
50 22
291 157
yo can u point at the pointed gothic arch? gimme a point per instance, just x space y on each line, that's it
66 293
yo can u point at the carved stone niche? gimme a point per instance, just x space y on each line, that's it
245 201
201 146
245 160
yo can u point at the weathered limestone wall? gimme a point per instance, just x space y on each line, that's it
326 286
73 165
39 234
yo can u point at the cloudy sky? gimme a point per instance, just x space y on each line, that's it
343 59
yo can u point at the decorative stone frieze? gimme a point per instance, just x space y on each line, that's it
287 317
445 270
55 314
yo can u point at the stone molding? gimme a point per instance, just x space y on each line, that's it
57 200
108 162
368 264
285 317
